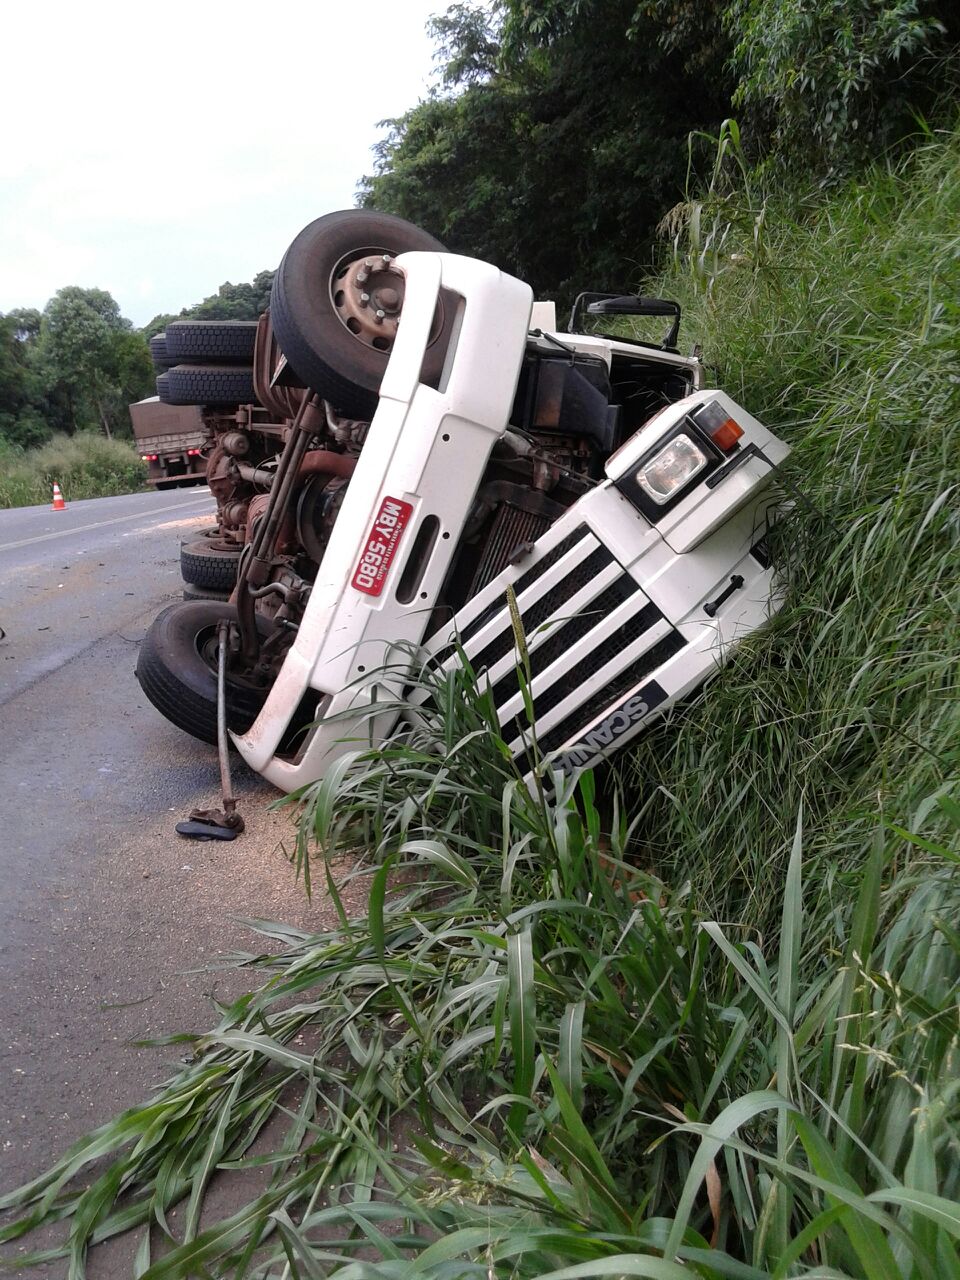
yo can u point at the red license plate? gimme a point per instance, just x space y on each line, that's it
382 543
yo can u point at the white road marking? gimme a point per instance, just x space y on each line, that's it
100 524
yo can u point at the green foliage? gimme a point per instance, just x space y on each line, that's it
584 1072
467 48
538 166
558 132
837 79
79 364
837 323
90 359
85 465
19 422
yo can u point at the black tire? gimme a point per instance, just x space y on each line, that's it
177 670
205 566
324 353
206 384
210 341
158 350
191 592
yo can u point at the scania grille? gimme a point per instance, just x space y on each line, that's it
591 633
535 572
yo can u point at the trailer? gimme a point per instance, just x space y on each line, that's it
171 440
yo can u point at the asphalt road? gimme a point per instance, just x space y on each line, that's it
107 917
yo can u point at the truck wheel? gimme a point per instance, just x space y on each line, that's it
191 592
206 384
177 670
211 341
205 566
158 351
336 302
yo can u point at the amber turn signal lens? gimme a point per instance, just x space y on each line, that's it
726 435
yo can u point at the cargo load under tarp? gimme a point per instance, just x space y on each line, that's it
169 438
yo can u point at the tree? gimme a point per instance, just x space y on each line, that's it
555 142
558 133
90 359
16 423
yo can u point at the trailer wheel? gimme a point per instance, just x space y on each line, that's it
206 384
177 670
158 351
205 566
210 341
336 302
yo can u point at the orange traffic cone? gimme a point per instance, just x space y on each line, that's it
58 502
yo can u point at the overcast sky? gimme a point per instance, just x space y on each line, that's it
157 150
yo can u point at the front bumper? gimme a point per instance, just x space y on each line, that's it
426 450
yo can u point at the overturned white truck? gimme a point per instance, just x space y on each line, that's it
425 439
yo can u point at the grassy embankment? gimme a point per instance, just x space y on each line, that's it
85 466
743 1056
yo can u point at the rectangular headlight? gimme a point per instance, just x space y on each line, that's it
663 476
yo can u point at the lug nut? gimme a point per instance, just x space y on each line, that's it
386 257
364 299
380 315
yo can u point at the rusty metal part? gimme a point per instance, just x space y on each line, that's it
283 401
231 818
233 518
286 542
317 509
316 462
350 432
219 474
255 569
325 462
261 477
236 443
367 290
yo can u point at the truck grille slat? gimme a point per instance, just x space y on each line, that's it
545 700
632 675
566 633
551 602
470 629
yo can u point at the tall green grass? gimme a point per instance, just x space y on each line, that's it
530 1058
86 465
837 322
711 1031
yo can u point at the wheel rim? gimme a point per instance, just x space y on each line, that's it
207 644
367 290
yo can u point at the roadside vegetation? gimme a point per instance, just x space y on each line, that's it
835 320
708 1026
697 1017
86 465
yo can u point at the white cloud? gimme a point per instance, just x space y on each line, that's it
159 150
